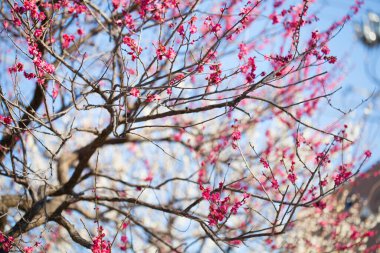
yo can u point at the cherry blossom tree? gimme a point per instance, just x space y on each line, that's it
169 126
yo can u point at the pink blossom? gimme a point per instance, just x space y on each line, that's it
275 184
170 53
18 67
292 177
206 193
29 75
181 30
236 135
28 249
6 243
38 33
264 163
325 50
343 175
131 43
7 120
214 77
320 204
274 18
135 92
67 39
55 91
80 31
368 153
216 28
193 29
243 51
161 51
6 25
152 97
124 238
331 59
129 22
99 244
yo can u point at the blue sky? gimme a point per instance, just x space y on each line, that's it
357 85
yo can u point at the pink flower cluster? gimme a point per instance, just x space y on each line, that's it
181 30
292 176
163 52
343 175
219 208
320 205
157 9
243 51
215 76
131 43
275 184
249 69
193 29
324 50
354 236
152 97
99 244
30 7
124 239
236 135
42 66
135 92
18 67
67 39
322 159
264 163
129 22
6 243
77 8
213 27
38 33
28 249
7 119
